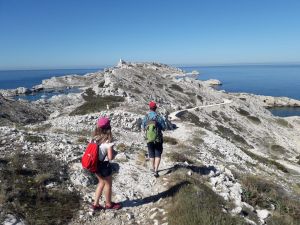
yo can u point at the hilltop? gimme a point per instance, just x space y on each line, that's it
225 154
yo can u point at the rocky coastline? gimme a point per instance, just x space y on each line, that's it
216 138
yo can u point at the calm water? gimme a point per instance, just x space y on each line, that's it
28 78
263 80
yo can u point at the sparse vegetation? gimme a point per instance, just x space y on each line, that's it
265 194
197 141
176 87
82 139
180 157
243 112
170 140
96 103
230 135
278 149
282 122
190 117
24 193
254 119
141 158
34 138
196 204
42 128
266 161
122 147
101 84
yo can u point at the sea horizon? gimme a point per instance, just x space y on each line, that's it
272 80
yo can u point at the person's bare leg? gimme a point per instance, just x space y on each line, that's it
156 163
108 190
152 161
99 190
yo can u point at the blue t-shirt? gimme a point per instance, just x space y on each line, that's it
151 116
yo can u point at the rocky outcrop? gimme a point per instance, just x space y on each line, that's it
15 92
218 135
20 112
270 101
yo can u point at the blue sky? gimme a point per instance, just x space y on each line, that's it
93 33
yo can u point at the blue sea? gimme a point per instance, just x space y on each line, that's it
273 80
28 78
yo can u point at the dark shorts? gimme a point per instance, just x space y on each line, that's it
104 169
155 149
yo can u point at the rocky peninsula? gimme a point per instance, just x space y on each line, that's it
225 151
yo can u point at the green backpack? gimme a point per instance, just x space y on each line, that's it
152 131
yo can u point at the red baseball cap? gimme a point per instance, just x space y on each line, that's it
152 105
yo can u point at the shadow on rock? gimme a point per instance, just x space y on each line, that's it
202 170
168 193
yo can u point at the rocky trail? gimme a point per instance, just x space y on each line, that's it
217 140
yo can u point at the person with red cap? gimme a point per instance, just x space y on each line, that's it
153 125
103 137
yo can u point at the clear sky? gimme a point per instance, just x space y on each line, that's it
93 33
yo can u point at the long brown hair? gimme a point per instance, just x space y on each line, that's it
102 135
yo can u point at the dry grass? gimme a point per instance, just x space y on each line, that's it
180 157
282 122
170 140
122 147
196 204
176 87
141 158
95 103
266 194
34 138
243 112
254 119
24 193
227 133
82 140
266 161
